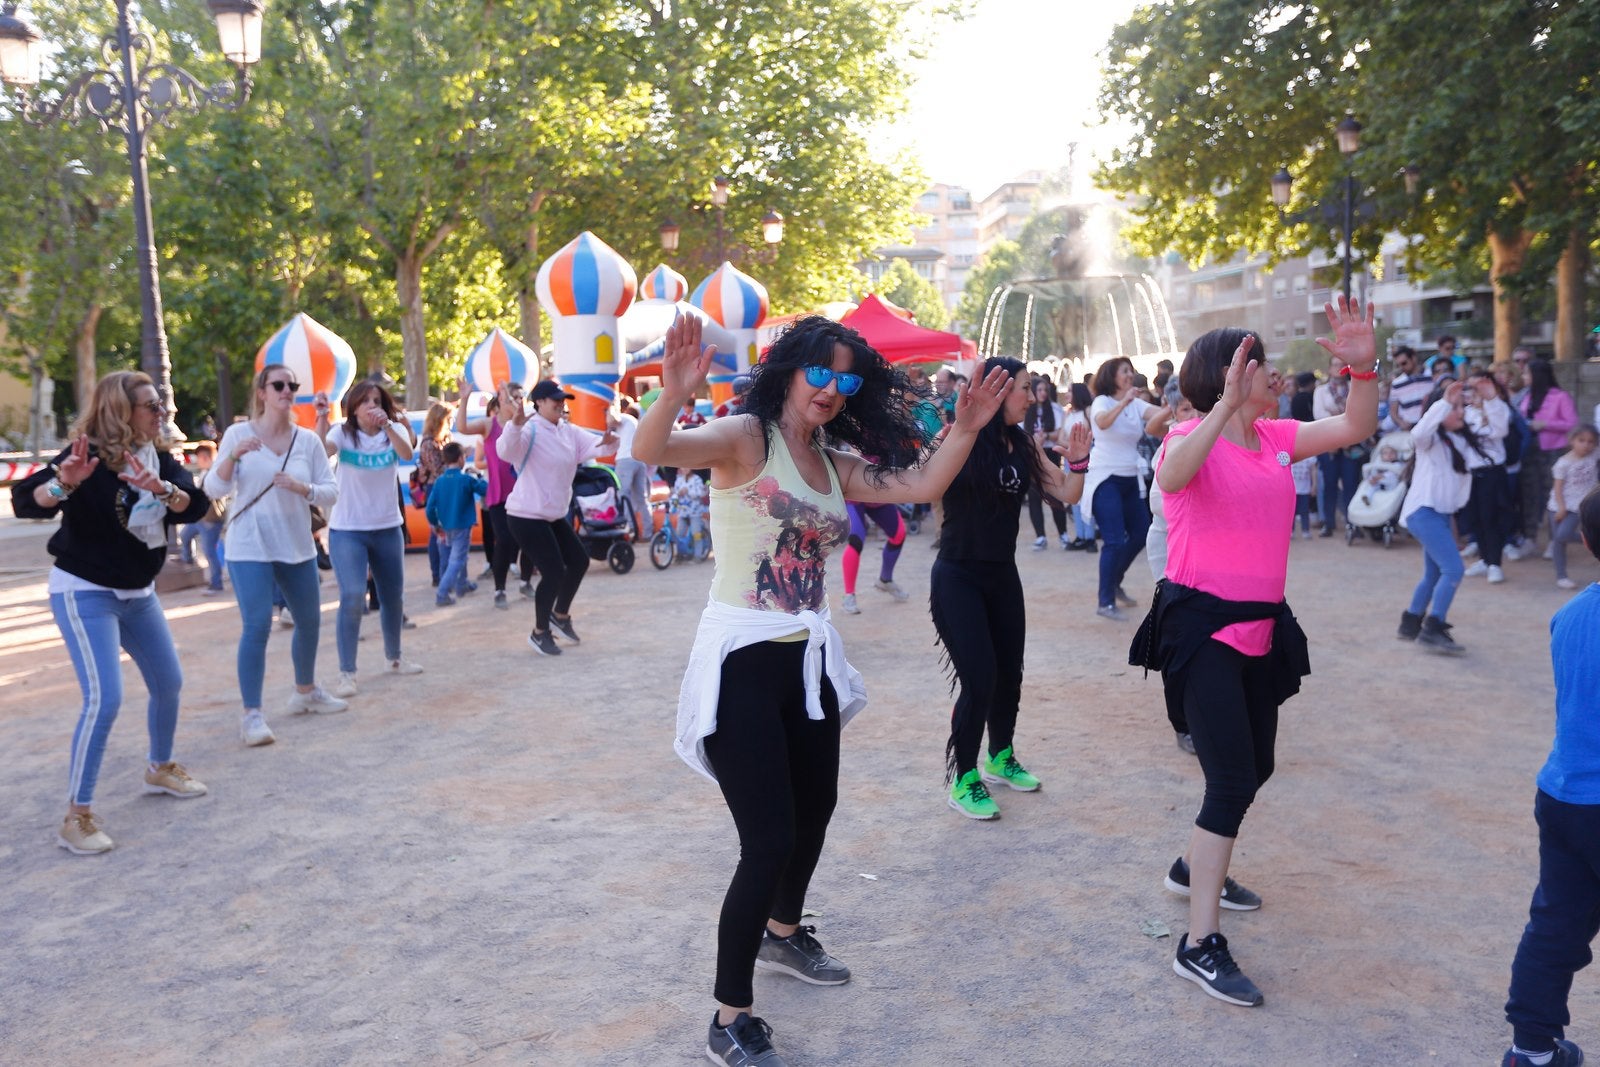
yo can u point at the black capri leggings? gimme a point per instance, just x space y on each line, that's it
979 616
502 547
1229 701
556 551
779 773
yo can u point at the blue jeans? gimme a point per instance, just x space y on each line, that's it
354 552
211 545
94 625
453 574
1124 520
1441 563
436 556
256 586
1562 921
1340 476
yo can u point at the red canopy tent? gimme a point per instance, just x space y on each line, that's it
899 339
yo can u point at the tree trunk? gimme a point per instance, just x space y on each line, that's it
413 338
1572 322
1506 254
36 404
83 348
527 294
224 416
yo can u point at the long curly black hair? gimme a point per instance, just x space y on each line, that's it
877 422
978 476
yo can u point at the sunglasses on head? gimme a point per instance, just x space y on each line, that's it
280 384
819 377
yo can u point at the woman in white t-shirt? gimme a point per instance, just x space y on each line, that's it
365 529
275 472
1113 485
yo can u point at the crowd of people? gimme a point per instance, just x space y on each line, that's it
1208 470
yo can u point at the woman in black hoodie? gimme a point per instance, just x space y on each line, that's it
117 493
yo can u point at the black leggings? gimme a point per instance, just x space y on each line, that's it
1232 711
979 616
779 773
555 549
502 547
1490 508
1036 497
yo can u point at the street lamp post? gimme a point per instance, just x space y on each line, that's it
1348 135
772 224
131 95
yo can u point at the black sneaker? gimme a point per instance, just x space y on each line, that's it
1410 626
1435 637
1210 966
745 1042
544 644
501 602
801 956
1235 897
1186 742
563 627
1566 1055
526 589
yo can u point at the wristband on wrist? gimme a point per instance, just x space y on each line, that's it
58 489
1360 376
1078 466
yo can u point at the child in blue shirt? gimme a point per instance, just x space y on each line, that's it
1565 914
452 512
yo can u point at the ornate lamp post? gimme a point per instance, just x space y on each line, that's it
771 228
1348 135
130 94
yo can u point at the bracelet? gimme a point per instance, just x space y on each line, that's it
1078 466
1360 376
58 488
166 497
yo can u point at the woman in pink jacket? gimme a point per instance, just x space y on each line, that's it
1551 414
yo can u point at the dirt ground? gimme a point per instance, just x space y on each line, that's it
501 861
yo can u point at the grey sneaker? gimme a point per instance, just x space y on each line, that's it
564 627
849 606
1112 612
801 956
526 589
745 1042
317 702
1186 742
1235 897
1124 600
501 602
544 644
891 587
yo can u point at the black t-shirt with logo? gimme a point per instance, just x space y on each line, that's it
984 527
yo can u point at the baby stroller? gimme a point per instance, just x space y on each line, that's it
1376 505
602 516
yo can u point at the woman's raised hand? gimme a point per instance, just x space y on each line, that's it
78 465
1240 379
1078 442
683 365
977 403
1352 343
138 476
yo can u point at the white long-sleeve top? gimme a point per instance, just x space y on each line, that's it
1489 423
725 629
1435 483
545 456
277 527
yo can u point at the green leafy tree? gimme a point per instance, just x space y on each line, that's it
903 286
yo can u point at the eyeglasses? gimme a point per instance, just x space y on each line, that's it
280 384
153 406
819 377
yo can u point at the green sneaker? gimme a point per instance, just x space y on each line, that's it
971 797
1003 767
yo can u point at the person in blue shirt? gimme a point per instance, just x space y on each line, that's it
1565 914
452 512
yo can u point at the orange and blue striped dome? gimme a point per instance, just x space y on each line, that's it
732 298
587 277
664 284
321 360
501 358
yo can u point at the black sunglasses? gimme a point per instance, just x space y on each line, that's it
280 384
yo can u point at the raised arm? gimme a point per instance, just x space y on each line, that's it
465 425
1186 454
324 423
1353 344
721 442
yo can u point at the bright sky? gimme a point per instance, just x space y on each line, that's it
1009 89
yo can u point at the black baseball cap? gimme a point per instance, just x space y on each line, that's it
547 389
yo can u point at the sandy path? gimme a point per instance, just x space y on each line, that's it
501 860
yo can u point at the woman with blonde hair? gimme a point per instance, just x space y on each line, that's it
275 472
430 463
117 494
365 532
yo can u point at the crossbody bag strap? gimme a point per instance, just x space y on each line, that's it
253 501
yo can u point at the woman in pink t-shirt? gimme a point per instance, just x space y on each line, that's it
1220 632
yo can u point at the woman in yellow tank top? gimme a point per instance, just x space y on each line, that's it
768 688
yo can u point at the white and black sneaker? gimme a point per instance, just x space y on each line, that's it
543 644
563 626
745 1042
1210 966
1235 897
800 955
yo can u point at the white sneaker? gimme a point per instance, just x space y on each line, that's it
346 686
318 701
401 666
848 605
892 588
1496 575
1566 583
1038 543
285 620
1477 569
253 729
1065 540
1549 552
1470 551
1513 552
